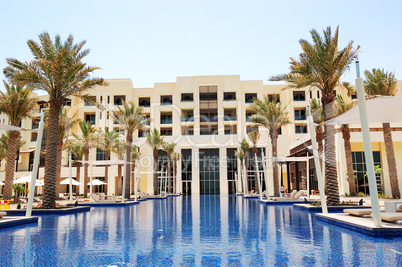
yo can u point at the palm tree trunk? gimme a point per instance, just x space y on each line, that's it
58 167
128 167
86 180
331 175
107 157
274 143
10 165
349 161
174 177
78 177
256 172
389 149
168 173
155 174
49 196
132 178
119 172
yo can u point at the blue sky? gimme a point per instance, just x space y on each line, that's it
156 41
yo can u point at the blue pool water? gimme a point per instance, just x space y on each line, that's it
193 231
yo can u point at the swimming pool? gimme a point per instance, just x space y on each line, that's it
193 231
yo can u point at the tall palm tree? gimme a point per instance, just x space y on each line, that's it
88 139
119 153
379 82
341 107
254 136
57 69
155 141
175 157
240 154
77 148
272 115
321 64
244 147
108 142
16 103
131 118
169 148
318 117
135 155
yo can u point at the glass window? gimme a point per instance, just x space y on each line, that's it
100 154
229 96
118 99
166 100
299 96
359 166
186 164
188 97
299 129
144 101
250 97
209 171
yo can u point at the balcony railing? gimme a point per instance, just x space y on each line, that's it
230 118
187 119
300 117
166 121
35 126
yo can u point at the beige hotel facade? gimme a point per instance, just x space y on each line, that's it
207 116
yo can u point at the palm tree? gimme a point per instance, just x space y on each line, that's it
318 117
341 107
77 148
108 142
175 157
119 153
155 141
240 155
135 155
244 147
131 118
254 136
16 103
379 82
272 115
321 65
169 148
88 139
57 69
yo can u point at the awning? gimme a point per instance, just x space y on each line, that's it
9 127
29 150
379 110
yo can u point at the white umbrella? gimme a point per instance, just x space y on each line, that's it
67 181
96 182
27 179
379 110
1 183
9 127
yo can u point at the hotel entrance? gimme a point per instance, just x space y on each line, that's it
209 172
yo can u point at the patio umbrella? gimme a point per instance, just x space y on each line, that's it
9 127
27 179
67 181
379 110
1 183
96 182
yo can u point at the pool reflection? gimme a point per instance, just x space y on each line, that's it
197 230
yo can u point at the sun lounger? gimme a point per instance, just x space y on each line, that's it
96 198
391 216
2 213
102 196
361 212
293 196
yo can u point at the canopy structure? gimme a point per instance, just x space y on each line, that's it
96 182
9 127
379 110
67 181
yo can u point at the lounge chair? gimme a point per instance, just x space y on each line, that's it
102 196
98 199
62 196
360 212
2 213
293 196
393 211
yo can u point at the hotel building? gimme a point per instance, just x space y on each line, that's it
207 117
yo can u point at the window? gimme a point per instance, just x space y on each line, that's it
354 96
250 97
34 137
166 100
187 97
229 96
101 99
118 100
187 130
299 96
251 129
248 116
144 101
231 169
166 117
300 114
100 115
67 104
108 99
212 130
271 97
90 103
207 116
148 118
187 115
230 115
280 131
90 118
141 133
209 171
208 96
301 129
35 124
359 165
186 165
166 131
311 94
318 94
100 154
230 129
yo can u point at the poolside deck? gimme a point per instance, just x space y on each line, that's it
312 208
11 221
280 202
71 210
108 204
361 224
